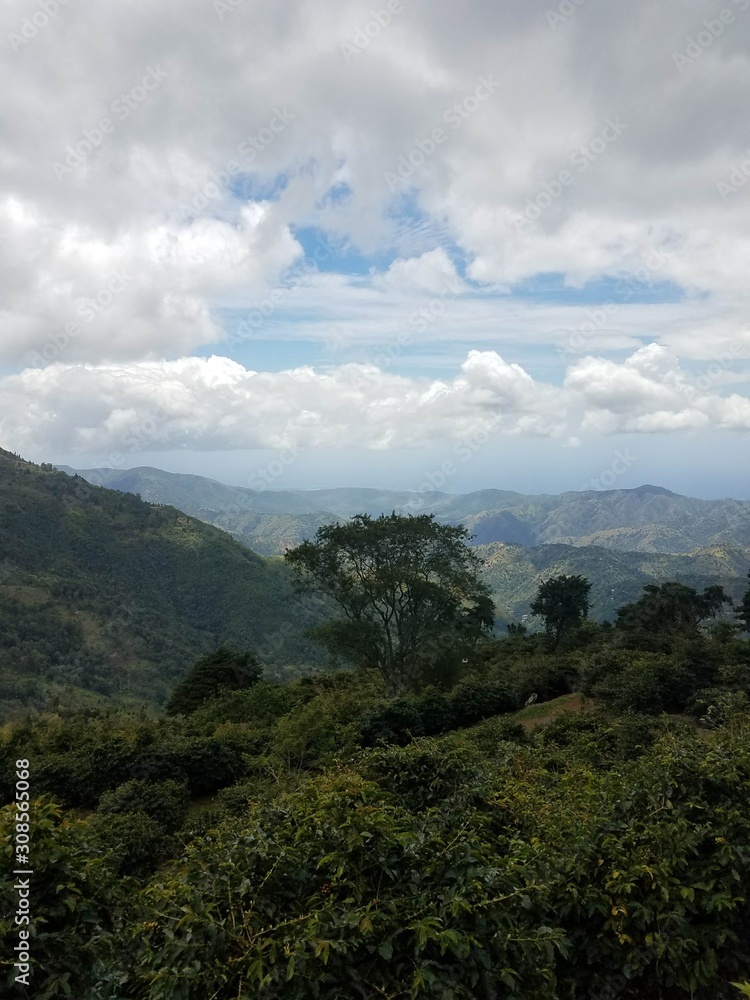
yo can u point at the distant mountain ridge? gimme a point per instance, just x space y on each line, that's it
645 519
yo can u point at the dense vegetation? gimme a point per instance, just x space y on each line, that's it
369 832
322 839
102 594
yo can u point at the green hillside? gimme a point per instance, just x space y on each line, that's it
514 573
645 519
103 594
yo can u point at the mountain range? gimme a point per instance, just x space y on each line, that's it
645 519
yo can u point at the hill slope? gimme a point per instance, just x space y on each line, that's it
646 519
101 592
514 573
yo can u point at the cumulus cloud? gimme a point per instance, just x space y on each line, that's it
216 403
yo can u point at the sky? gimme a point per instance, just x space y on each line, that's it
400 244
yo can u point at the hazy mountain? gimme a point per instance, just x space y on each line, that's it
100 591
646 519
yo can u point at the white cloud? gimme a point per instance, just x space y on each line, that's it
215 404
269 89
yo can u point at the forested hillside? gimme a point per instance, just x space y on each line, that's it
514 572
645 519
104 594
461 815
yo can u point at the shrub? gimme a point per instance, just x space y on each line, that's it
474 700
398 721
165 801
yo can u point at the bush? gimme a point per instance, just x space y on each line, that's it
435 711
166 801
424 774
474 700
73 899
398 722
136 843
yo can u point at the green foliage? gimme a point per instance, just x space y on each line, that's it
74 903
474 700
223 670
648 682
105 596
668 610
743 609
164 801
401 720
409 592
562 603
340 890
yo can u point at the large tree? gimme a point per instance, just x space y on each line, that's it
671 609
225 669
562 603
408 589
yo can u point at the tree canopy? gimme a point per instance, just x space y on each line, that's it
409 591
224 669
562 603
671 608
